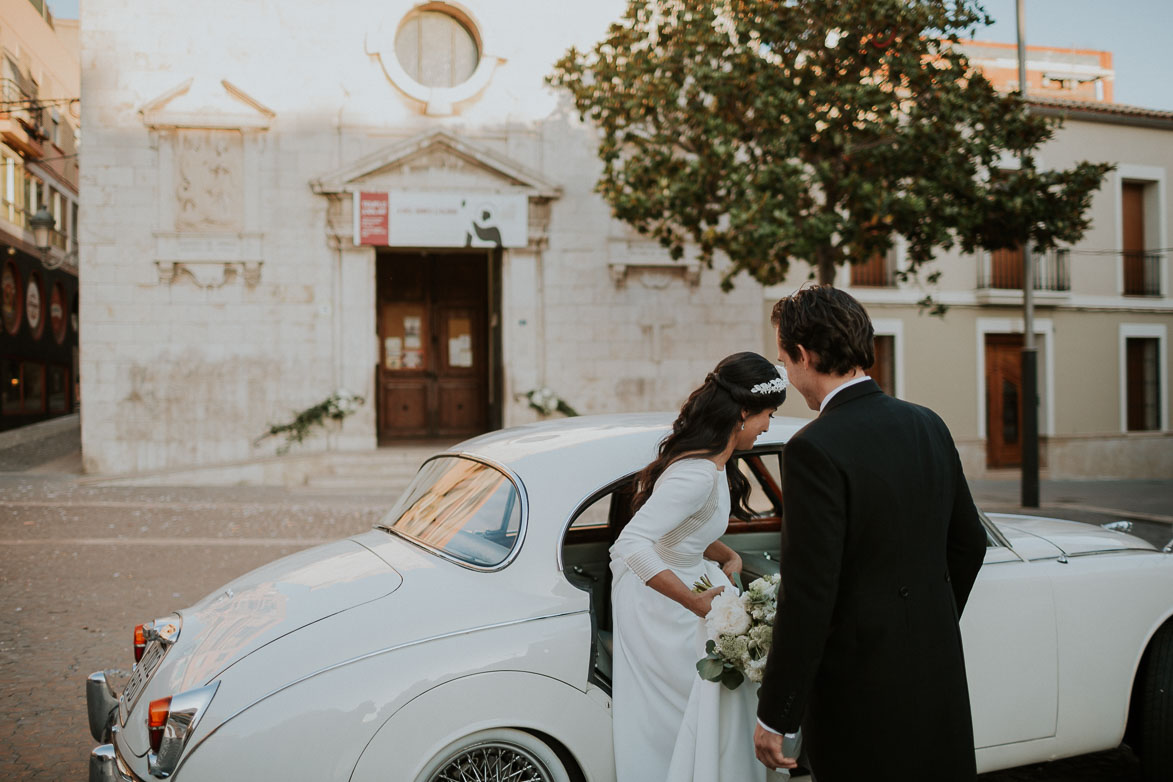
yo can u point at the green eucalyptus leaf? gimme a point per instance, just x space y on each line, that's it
731 678
710 669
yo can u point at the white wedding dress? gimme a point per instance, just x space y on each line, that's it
669 724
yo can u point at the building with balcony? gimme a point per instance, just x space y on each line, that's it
392 202
1102 317
39 125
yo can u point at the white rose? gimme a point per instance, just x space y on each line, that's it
727 616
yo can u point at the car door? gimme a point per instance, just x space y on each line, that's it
1011 649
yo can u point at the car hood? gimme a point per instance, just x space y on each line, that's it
1072 538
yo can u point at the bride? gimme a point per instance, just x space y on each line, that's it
669 724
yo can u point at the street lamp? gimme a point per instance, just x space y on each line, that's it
1030 356
43 224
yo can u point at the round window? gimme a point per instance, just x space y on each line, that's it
12 297
436 48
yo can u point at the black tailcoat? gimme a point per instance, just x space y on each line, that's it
881 544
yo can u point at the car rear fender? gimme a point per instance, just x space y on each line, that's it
580 722
1137 670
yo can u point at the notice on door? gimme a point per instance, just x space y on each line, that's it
371 219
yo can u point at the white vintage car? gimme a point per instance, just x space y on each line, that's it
466 636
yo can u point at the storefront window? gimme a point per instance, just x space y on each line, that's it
58 389
34 386
10 394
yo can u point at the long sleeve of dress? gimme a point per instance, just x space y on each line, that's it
683 497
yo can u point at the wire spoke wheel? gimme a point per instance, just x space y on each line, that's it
493 762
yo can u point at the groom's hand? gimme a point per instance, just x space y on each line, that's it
768 747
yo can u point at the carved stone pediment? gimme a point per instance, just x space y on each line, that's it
439 163
202 104
437 160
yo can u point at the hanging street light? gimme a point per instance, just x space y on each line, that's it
42 223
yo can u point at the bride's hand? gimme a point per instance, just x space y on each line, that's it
702 603
731 565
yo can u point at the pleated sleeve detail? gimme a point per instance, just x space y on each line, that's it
684 498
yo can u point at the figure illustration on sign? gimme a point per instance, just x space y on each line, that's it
484 227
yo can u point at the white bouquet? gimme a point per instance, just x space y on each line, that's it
740 630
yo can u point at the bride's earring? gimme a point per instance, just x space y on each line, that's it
743 426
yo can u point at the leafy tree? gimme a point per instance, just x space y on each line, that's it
815 130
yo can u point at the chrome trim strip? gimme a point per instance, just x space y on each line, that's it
517 485
992 528
182 719
1100 552
367 656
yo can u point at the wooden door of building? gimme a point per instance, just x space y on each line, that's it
1004 400
433 376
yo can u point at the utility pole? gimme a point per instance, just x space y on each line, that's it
1030 358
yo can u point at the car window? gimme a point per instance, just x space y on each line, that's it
595 515
994 538
466 509
764 473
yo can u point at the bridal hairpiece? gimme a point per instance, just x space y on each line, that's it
775 386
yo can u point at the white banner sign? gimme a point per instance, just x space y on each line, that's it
420 218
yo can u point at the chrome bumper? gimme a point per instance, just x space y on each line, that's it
101 705
105 766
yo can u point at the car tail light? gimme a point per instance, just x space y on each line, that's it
170 723
157 716
140 642
165 631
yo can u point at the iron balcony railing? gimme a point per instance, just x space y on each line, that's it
1002 270
1142 274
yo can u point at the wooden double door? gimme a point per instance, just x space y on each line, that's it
1004 400
433 328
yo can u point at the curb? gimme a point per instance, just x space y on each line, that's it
42 430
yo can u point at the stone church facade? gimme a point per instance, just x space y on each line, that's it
389 202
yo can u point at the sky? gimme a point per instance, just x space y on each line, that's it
1135 31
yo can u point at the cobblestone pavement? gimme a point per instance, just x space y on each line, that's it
80 566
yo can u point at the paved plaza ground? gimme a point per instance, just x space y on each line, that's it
81 564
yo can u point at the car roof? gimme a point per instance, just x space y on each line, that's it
582 453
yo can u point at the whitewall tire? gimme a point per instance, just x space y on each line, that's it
496 755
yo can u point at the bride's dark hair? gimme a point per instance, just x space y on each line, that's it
707 420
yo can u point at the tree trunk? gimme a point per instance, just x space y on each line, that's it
826 267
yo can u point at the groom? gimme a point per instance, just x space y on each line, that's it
881 544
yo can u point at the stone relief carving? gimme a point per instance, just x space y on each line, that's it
209 192
209 274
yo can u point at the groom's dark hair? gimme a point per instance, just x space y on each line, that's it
830 324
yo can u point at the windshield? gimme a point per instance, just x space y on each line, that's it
463 508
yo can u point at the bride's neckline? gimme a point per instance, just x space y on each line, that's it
698 458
